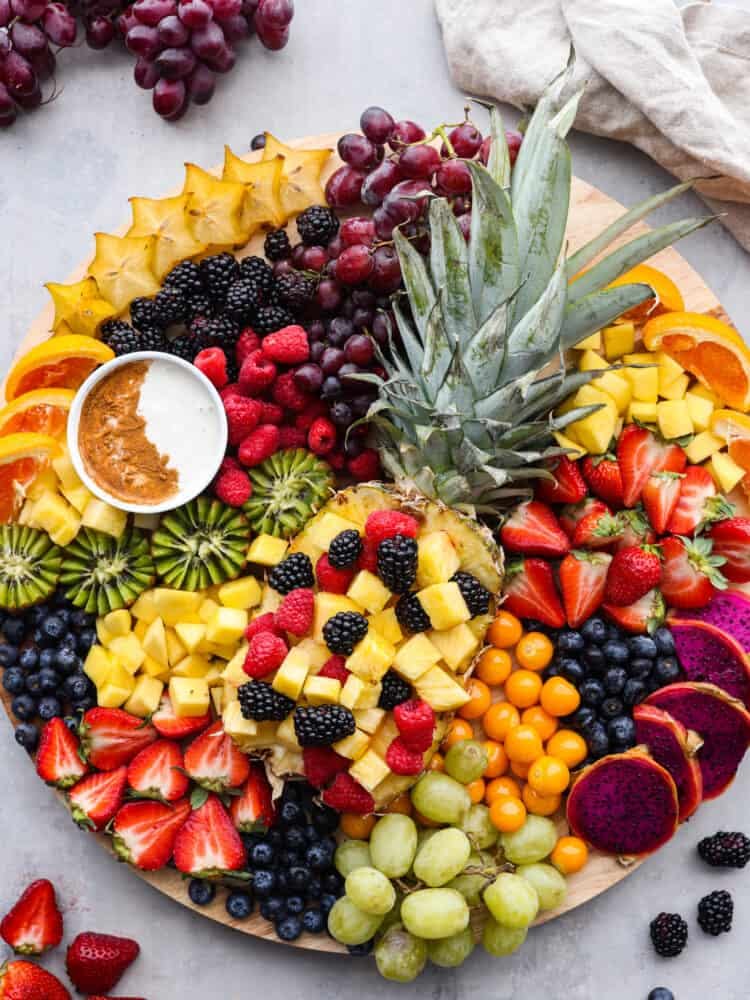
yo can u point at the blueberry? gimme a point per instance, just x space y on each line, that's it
239 905
14 680
333 883
640 668
35 615
295 905
570 641
275 837
594 631
621 732
14 629
319 857
553 670
47 658
614 679
592 692
294 838
27 736
613 633
28 659
66 660
262 855
314 888
324 818
661 993
83 704
633 693
53 627
594 659
72 723
76 687
201 892
610 708
312 836
582 718
361 950
80 620
643 645
86 640
572 670
23 707
289 928
264 882
49 708
616 652
290 814
313 921
664 641
273 909
49 680
667 670
33 684
68 641
298 877
8 654
597 739
326 902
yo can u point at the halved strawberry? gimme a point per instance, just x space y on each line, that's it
639 453
572 514
58 760
145 832
23 980
111 737
583 577
646 615
660 495
635 528
635 570
252 809
691 572
157 772
530 592
566 486
208 843
731 540
167 724
698 503
97 797
34 922
602 474
533 530
213 761
597 530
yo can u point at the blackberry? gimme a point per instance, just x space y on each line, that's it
268 319
276 245
256 270
411 615
121 337
152 340
317 225
185 347
186 278
294 290
199 305
260 702
725 850
715 913
293 572
221 331
669 934
397 563
395 691
343 631
243 299
142 313
345 549
476 596
218 273
169 307
322 725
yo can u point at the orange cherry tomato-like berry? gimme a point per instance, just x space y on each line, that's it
559 697
540 805
401 804
480 699
523 744
507 814
549 775
519 769
476 790
534 651
570 855
544 723
357 827
568 747
457 731
499 719
494 666
501 788
497 759
523 688
437 762
505 631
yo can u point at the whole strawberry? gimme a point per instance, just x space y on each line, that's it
295 613
26 981
96 962
633 571
602 473
288 346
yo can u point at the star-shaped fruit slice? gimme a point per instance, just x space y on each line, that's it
215 209
262 182
167 219
79 308
300 184
124 268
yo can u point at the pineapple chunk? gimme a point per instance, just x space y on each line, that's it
725 471
65 472
286 734
705 393
596 431
234 673
673 418
191 636
98 665
456 645
56 517
316 652
644 382
441 691
368 719
117 622
217 699
353 746
291 676
241 594
235 724
576 451
326 606
26 514
128 651
145 608
369 592
207 610
322 690
174 606
227 625
702 447
189 696
175 650
113 695
591 361
371 657
590 343
154 669
45 482
214 649
193 665
618 340
270 602
154 641
357 693
437 559
369 770
104 517
139 631
444 605
77 496
213 678
145 697
644 413
700 409
616 386
103 634
676 389
265 550
322 530
386 623
415 657
669 371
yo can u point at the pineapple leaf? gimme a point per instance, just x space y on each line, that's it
498 163
547 393
493 244
456 394
507 398
417 282
485 353
412 346
533 341
599 309
438 350
449 264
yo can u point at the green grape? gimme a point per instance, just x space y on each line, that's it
351 854
393 844
533 842
466 761
393 916
440 798
451 952
499 940
470 887
350 925
478 827
442 857
512 901
370 890
550 885
399 955
435 913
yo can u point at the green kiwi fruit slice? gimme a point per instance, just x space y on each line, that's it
29 566
101 573
288 488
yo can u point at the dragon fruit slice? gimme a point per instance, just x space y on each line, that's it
671 745
707 653
728 610
624 804
722 723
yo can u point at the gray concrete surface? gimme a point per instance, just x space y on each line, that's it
66 172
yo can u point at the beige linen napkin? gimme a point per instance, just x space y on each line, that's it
673 82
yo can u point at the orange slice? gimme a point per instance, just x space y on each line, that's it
44 411
709 349
22 457
61 363
666 294
734 428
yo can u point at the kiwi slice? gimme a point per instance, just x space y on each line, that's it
201 543
29 566
101 573
288 488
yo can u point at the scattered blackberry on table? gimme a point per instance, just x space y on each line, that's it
186 278
218 273
397 563
260 702
476 596
242 300
276 245
411 615
201 891
256 270
291 573
322 725
268 319
343 631
142 313
395 690
317 225
169 307
345 549
715 912
669 934
725 850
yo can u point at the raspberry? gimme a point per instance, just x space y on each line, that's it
288 346
322 436
335 667
213 363
248 342
321 764
229 464
337 460
304 420
242 417
266 653
233 487
290 437
401 759
259 445
347 795
416 724
263 623
256 374
287 395
368 557
382 524
272 414
365 466
295 613
231 391
335 581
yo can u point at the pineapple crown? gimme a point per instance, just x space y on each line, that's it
465 412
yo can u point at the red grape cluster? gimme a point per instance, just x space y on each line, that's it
30 31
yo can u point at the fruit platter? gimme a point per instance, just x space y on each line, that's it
374 539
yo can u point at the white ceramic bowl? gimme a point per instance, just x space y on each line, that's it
195 479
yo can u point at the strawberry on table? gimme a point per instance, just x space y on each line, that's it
157 772
252 809
698 503
632 573
572 514
645 615
530 592
566 486
97 797
603 477
731 540
96 962
111 737
660 495
208 844
213 761
639 453
26 981
34 923
532 529
166 723
691 572
583 578
144 833
58 760
598 530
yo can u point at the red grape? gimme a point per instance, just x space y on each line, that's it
272 38
466 140
314 258
145 73
28 10
344 187
18 75
382 326
226 8
173 32
276 14
208 42
359 349
43 63
328 295
224 59
404 133
514 140
380 181
308 378
453 177
354 265
235 28
59 24
384 223
99 32
31 100
419 161
126 21
357 151
176 64
402 204
195 13
28 39
150 12
376 124
5 18
170 98
201 84
142 40
386 271
358 229
5 43
333 358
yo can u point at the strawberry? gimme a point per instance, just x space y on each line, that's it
639 453
530 592
645 615
111 737
660 495
26 981
633 572
698 503
214 762
96 962
635 528
533 530
144 832
583 577
731 540
321 764
97 797
167 724
34 923
252 809
597 530
295 613
571 514
335 581
566 485
691 573
156 773
58 760
208 843
602 474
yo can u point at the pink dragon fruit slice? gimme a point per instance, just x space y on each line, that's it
670 744
708 654
728 610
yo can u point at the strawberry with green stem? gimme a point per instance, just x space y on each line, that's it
583 578
691 572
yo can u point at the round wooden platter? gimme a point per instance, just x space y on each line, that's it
590 211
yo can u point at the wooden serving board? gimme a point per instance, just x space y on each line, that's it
590 212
